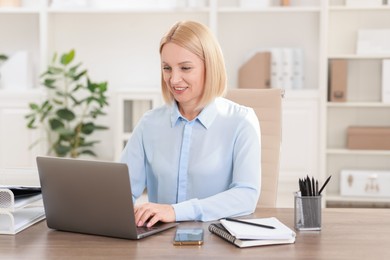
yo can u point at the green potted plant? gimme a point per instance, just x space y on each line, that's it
73 103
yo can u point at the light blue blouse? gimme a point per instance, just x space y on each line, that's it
207 168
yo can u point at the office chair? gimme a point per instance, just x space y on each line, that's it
267 104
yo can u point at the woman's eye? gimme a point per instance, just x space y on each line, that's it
166 68
186 68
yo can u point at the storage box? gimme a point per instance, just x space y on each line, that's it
368 138
9 3
338 74
373 42
363 3
365 183
256 72
255 3
386 81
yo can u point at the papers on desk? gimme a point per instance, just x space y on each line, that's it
243 231
244 235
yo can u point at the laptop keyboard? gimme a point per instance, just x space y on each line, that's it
142 230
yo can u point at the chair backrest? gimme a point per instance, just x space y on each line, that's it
267 104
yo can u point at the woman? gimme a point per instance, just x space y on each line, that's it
198 155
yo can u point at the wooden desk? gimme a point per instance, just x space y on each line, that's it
346 234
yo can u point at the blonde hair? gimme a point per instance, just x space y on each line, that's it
198 39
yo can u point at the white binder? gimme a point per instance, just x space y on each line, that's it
17 214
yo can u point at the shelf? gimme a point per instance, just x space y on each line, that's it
89 10
364 106
132 42
18 10
339 198
357 104
342 8
269 10
341 151
360 56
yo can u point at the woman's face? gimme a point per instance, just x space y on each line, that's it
184 75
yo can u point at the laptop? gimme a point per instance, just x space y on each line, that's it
91 197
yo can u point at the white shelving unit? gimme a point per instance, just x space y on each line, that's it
243 30
363 106
120 45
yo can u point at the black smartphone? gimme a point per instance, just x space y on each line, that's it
188 236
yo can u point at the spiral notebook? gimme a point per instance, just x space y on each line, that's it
219 230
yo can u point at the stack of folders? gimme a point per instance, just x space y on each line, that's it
17 209
253 232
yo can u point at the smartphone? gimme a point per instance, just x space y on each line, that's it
188 236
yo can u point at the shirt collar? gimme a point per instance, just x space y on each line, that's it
206 116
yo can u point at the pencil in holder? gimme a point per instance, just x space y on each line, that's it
307 212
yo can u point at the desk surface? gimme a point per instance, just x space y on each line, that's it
346 234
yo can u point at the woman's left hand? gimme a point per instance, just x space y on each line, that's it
152 213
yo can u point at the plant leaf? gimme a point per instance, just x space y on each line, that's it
75 101
91 143
88 128
72 70
57 101
78 76
45 111
65 134
97 112
34 106
30 124
65 114
49 83
101 127
61 150
54 70
103 87
89 152
67 58
3 57
78 86
55 123
60 93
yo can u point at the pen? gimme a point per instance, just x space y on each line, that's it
313 187
309 185
323 186
249 223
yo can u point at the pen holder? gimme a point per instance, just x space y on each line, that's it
307 212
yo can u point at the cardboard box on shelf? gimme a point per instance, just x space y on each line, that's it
9 3
338 73
368 138
256 72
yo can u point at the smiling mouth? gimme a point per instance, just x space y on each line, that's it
179 88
